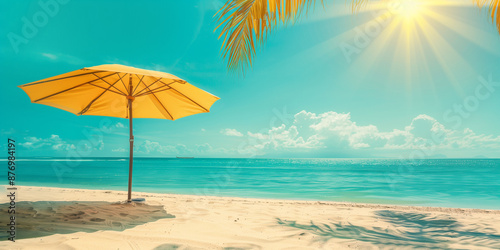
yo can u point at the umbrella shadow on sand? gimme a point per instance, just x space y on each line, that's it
413 230
43 218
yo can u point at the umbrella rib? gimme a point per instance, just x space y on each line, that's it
158 100
113 83
139 93
188 98
124 82
74 87
137 84
84 110
66 77
105 88
152 90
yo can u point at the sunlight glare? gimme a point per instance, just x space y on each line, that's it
407 9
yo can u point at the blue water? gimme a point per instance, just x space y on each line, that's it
463 183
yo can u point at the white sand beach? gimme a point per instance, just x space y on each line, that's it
201 222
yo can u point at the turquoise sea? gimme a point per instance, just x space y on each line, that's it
464 183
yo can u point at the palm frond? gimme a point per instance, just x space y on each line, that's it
356 5
494 9
246 23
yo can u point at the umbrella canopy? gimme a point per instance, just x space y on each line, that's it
103 90
121 91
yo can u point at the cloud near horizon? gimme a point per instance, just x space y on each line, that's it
333 134
328 134
54 141
231 132
155 148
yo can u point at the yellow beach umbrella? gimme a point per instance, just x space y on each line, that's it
121 91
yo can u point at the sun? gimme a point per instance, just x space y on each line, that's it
406 9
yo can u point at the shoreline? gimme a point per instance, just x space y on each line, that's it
272 200
68 218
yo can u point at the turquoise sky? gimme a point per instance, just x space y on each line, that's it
435 96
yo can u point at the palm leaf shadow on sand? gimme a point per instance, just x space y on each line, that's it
414 230
43 218
232 246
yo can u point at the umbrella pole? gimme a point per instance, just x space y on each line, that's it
131 159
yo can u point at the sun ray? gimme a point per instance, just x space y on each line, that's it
466 30
440 48
416 38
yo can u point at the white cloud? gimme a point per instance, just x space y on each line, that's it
231 132
281 137
50 56
109 128
7 131
204 148
338 133
63 146
156 148
54 141
152 147
64 58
